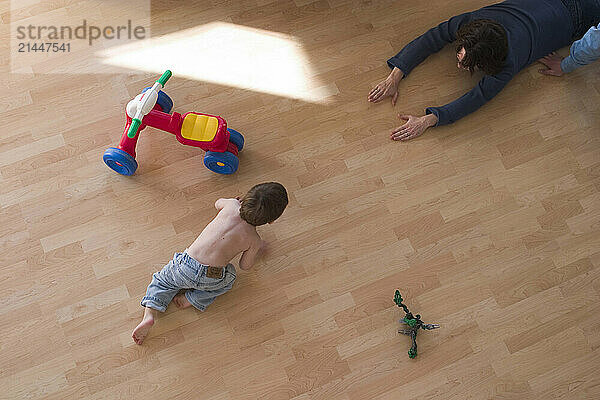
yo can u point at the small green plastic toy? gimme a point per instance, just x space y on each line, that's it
413 322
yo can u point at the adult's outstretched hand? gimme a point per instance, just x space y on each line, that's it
387 88
414 126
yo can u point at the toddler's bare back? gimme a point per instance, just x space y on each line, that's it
226 236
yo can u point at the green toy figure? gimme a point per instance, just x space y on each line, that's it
413 323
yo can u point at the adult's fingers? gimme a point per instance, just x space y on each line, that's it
414 134
376 88
402 135
399 129
375 91
376 98
549 72
394 98
402 127
377 95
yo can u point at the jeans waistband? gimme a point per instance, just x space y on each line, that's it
189 260
211 271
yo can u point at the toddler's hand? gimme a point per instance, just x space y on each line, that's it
264 247
552 62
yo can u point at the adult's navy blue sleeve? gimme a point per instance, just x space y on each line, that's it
486 89
428 43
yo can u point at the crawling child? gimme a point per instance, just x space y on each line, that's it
203 270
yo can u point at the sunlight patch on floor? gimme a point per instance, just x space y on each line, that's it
227 54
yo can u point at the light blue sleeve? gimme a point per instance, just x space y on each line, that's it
584 51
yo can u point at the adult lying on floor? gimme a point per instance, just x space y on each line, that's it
499 40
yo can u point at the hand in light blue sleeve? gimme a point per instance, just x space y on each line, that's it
584 51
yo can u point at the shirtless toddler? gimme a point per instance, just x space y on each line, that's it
203 270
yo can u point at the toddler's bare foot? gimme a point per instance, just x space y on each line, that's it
181 301
141 331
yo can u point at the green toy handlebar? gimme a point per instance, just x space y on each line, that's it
135 124
145 103
165 77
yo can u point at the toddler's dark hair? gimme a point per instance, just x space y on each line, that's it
264 203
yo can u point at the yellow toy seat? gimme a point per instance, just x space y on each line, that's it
201 128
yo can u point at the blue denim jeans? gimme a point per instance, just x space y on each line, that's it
185 272
584 15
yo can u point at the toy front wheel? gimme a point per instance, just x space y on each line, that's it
236 138
222 163
120 161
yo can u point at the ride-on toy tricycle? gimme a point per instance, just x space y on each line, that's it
152 108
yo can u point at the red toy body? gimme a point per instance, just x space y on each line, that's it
153 108
172 123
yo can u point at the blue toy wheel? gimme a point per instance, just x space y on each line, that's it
236 138
120 161
164 101
222 163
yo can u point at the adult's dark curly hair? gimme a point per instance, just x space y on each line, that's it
485 43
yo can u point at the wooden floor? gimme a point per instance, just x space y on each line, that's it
489 227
